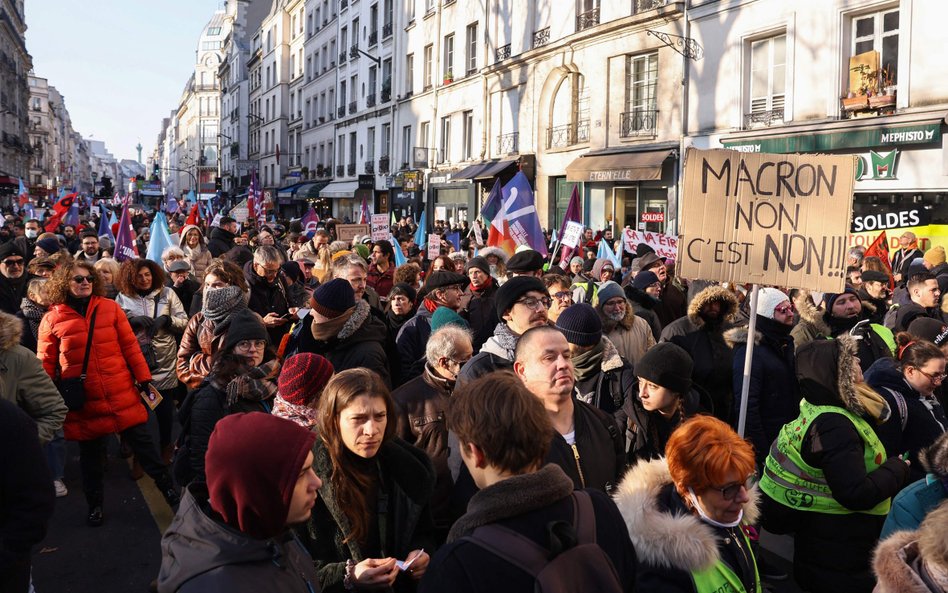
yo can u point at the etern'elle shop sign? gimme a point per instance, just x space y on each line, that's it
774 219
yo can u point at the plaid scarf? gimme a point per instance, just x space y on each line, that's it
257 384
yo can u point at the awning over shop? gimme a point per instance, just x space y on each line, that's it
484 170
310 191
628 166
288 191
339 189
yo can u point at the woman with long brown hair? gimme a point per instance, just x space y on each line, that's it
373 507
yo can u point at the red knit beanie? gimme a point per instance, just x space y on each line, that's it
252 465
303 377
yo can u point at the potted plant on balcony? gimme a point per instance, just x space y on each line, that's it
886 98
858 100
448 77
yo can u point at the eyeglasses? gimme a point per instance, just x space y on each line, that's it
251 344
731 490
13 262
82 279
786 310
532 302
460 363
563 295
933 378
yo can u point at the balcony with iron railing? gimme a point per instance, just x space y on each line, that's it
353 106
341 112
354 52
638 122
541 37
386 94
587 19
386 30
370 167
647 5
508 143
384 165
568 135
351 169
343 4
370 100
764 118
343 56
340 170
373 38
502 53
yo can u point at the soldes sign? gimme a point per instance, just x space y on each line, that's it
890 220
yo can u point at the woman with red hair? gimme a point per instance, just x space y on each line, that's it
685 512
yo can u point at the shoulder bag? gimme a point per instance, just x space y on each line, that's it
73 390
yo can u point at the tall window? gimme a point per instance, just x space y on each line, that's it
445 145
641 81
352 148
410 73
471 46
386 140
768 74
429 50
448 65
406 146
880 32
424 133
468 136
370 145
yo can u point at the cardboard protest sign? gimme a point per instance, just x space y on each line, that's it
572 234
434 245
380 229
347 232
665 246
774 219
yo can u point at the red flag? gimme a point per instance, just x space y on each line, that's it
880 249
60 209
194 217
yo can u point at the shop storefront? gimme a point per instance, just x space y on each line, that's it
622 189
341 194
483 175
901 173
406 191
293 201
450 201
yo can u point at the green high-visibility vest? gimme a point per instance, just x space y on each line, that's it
719 576
792 482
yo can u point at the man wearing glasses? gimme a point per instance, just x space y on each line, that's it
13 278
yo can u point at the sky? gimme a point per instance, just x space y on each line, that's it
120 64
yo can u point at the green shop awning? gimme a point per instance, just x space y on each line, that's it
893 135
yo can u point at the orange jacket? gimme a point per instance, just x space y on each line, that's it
112 400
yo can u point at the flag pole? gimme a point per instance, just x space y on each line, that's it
748 360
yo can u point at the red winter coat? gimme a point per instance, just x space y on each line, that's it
112 400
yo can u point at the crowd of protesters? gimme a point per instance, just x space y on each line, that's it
479 421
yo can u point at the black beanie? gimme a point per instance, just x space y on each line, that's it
404 289
245 325
477 262
667 365
580 324
9 248
830 298
515 288
333 298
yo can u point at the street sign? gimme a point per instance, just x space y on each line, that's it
246 164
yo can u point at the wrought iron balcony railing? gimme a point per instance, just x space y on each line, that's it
568 135
541 37
638 122
508 143
587 19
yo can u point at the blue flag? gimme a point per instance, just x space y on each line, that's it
191 197
72 217
454 239
310 222
421 236
521 214
400 258
112 219
105 228
160 238
171 204
605 252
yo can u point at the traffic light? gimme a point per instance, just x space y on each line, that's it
218 186
156 170
107 189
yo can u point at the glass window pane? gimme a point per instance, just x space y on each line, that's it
780 49
890 21
780 79
890 54
863 46
759 83
865 26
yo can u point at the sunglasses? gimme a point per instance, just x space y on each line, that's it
731 490
784 310
13 262
82 279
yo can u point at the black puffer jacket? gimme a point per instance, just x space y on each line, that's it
220 242
360 343
601 450
609 385
267 297
644 306
773 398
647 432
832 552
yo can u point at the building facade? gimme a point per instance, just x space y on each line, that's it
15 65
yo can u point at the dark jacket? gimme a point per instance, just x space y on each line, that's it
199 417
221 241
673 305
600 446
940 272
411 341
670 541
924 419
526 504
608 387
421 422
647 432
478 307
905 314
360 342
644 306
493 356
26 491
409 480
876 308
832 552
201 554
773 398
12 292
815 324
712 356
266 297
185 292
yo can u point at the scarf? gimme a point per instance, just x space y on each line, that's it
33 313
305 416
79 305
219 306
326 329
396 321
506 338
256 385
589 363
488 284
430 305
874 404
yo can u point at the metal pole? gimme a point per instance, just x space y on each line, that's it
748 360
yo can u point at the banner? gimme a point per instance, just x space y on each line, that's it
772 219
665 246
380 228
929 236
310 222
347 232
572 234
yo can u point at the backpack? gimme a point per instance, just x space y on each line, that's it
575 561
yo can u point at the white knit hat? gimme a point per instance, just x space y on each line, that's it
769 299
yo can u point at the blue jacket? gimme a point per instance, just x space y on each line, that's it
411 342
911 505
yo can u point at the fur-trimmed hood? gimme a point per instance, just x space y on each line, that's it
663 539
709 294
611 360
485 251
11 330
809 313
897 562
825 370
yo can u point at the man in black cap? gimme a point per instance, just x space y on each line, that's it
180 281
521 303
221 239
874 292
478 300
444 290
13 278
526 263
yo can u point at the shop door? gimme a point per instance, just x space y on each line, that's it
653 207
626 200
